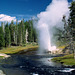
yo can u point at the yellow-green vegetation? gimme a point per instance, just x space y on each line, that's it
1 57
61 47
66 60
16 49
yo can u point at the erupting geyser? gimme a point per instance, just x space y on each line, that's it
47 20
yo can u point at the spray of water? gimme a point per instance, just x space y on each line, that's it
51 17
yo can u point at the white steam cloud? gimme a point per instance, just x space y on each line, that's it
47 20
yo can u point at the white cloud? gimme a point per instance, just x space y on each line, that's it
6 18
19 20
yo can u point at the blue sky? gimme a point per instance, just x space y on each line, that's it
18 9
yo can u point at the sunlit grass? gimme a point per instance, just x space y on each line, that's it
1 57
15 49
66 60
62 47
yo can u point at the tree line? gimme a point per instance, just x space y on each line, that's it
67 36
17 34
23 32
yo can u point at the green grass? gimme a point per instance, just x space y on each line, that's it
66 60
1 57
16 49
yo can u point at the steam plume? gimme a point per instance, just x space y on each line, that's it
51 17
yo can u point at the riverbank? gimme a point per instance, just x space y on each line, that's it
67 60
16 49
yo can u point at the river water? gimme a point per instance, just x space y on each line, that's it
31 64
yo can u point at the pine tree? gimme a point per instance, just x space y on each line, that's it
20 34
7 36
26 31
33 32
72 19
30 31
16 32
32 36
12 32
2 41
72 24
2 25
23 32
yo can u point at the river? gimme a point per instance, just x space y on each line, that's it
31 64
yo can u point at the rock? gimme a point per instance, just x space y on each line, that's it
35 74
57 51
4 55
1 72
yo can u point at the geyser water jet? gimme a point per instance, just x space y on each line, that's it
51 17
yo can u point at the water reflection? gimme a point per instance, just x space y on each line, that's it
48 62
31 64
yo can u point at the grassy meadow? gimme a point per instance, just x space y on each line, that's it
65 60
16 49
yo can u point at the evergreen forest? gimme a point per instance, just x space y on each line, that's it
18 34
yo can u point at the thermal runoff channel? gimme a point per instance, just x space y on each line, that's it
51 17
